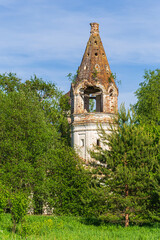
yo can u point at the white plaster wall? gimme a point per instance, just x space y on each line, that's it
88 135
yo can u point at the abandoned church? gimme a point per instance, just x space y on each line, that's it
93 95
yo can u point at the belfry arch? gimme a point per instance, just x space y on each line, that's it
93 93
94 96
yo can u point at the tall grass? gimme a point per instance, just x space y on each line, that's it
73 228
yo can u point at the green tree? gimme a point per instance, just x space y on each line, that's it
70 182
25 139
130 171
148 105
18 204
35 154
16 201
53 102
30 127
3 197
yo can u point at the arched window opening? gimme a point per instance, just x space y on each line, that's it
111 92
82 142
93 99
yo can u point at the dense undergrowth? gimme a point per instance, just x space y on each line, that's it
73 228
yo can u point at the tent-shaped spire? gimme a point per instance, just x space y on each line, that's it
94 65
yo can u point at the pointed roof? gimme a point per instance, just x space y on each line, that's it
94 65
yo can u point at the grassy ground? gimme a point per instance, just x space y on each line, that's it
72 228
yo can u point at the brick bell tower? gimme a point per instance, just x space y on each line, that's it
93 96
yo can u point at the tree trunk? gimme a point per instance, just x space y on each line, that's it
126 219
14 226
126 214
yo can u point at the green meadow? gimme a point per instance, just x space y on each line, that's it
73 228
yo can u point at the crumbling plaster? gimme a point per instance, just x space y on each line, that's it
94 81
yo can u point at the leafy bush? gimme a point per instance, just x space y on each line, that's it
18 203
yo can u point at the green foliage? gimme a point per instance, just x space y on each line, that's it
35 154
94 74
9 82
53 103
26 138
131 171
113 76
74 228
91 105
72 78
28 119
148 95
3 198
71 190
18 204
41 227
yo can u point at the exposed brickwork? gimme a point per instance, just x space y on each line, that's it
94 66
94 81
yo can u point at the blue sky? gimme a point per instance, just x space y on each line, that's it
48 38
